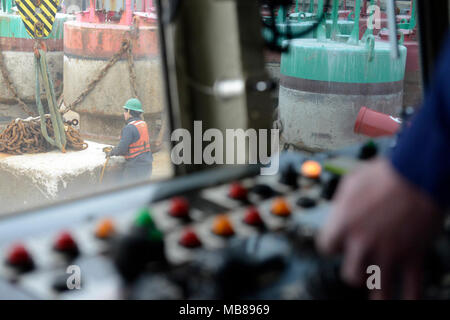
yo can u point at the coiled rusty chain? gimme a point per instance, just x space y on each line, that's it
25 136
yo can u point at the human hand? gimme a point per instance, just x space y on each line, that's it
380 219
107 151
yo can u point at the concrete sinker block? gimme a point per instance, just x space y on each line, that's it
39 179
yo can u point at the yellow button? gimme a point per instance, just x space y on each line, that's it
280 207
222 226
311 169
105 229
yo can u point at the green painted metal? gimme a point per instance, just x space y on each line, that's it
11 26
302 16
354 36
42 71
412 22
345 27
6 6
321 28
281 16
335 18
369 31
300 21
297 27
340 62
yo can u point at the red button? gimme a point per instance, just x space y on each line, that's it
237 191
189 239
65 243
252 217
19 257
179 207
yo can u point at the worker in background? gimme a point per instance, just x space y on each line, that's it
134 143
388 211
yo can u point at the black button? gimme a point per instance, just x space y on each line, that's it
368 151
60 283
289 176
306 202
264 191
330 187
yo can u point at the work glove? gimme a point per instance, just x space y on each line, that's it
107 151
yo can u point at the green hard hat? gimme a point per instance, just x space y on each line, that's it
133 104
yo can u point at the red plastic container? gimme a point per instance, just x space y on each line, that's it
375 124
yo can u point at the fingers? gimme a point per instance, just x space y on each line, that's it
412 280
331 238
385 290
353 267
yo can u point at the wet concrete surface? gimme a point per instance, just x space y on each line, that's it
28 181
38 179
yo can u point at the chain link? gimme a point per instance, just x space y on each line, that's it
132 72
25 136
134 35
100 76
5 73
126 48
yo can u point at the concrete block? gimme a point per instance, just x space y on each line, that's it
23 75
101 111
316 122
38 179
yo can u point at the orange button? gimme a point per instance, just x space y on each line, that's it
105 229
222 226
280 207
311 169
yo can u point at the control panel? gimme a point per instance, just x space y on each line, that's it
251 237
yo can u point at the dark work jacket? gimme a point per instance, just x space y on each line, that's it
422 154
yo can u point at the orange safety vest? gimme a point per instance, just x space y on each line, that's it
142 145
